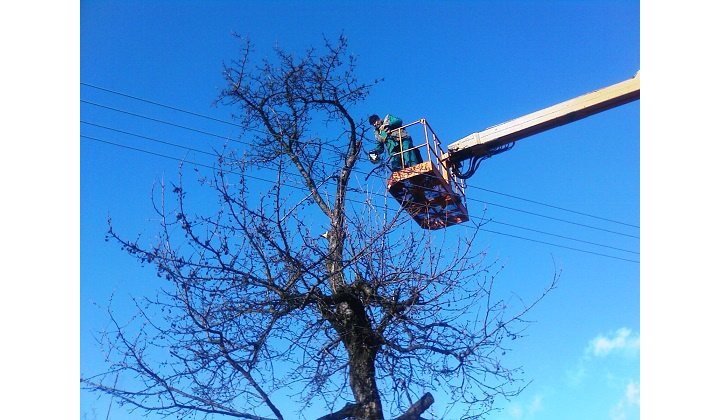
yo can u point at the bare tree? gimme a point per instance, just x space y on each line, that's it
365 320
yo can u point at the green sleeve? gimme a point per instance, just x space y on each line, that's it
380 137
392 122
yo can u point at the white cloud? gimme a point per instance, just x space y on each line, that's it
526 410
620 411
621 340
515 411
535 405
632 393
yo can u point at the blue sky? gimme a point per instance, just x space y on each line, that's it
554 200
463 66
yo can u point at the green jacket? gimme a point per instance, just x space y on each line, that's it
389 138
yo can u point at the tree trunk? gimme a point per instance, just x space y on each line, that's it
362 381
362 345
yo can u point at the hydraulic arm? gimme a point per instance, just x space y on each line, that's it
496 139
433 191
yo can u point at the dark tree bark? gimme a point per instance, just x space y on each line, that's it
257 307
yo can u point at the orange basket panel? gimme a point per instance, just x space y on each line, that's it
427 197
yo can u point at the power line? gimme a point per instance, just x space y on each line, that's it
247 128
147 138
553 218
174 158
355 201
467 198
560 246
561 236
163 105
359 171
154 119
555 207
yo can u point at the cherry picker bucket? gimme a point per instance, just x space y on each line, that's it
430 194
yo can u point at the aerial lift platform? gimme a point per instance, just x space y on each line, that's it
433 192
432 195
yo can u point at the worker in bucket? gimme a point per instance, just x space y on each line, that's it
390 136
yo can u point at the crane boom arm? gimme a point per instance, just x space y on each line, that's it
489 141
